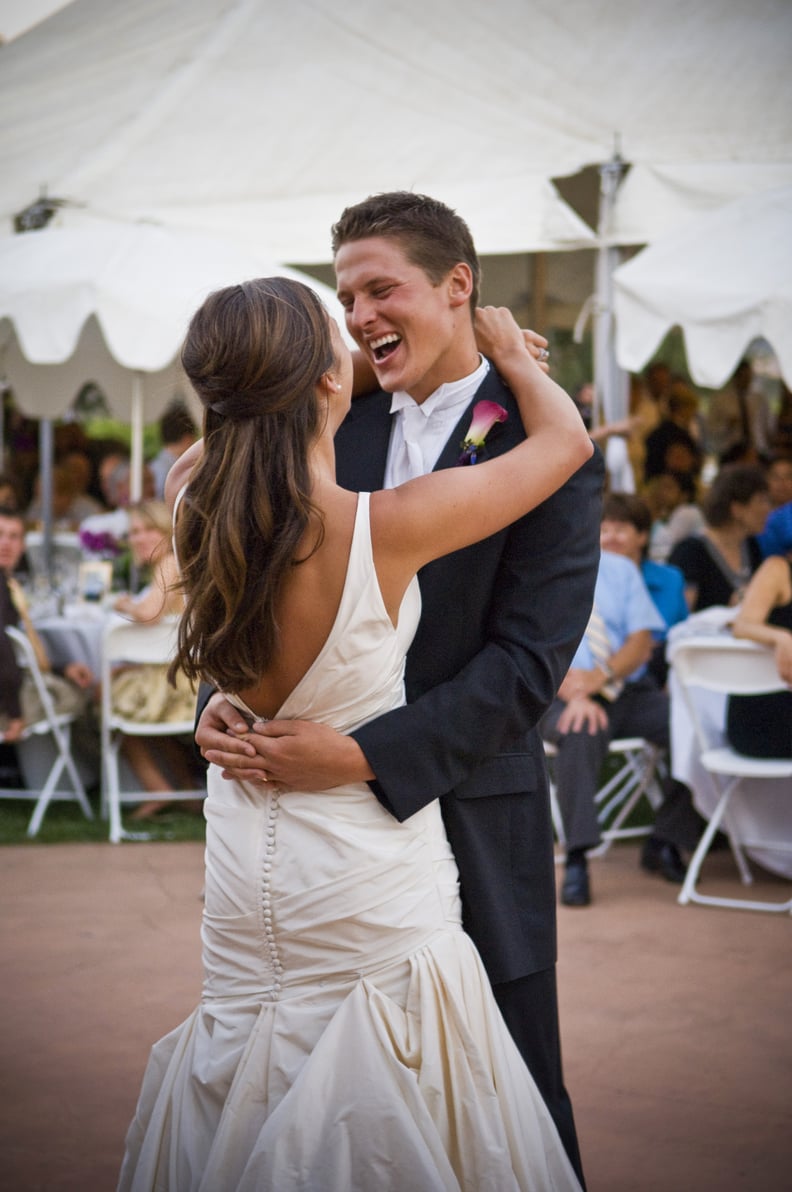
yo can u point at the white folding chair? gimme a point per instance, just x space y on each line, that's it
729 666
635 778
58 726
133 642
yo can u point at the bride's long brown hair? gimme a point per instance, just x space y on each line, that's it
254 354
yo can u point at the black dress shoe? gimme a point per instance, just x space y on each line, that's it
659 856
575 890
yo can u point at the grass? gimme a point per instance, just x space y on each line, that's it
64 823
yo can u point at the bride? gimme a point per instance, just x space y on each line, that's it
347 1036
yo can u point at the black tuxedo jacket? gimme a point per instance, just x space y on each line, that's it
500 623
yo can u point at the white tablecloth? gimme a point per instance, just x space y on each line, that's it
75 635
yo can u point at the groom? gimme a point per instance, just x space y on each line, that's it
500 620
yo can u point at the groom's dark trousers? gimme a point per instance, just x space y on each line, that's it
500 623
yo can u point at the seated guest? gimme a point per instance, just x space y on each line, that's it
761 725
778 470
607 693
671 446
116 485
718 563
782 439
776 533
20 703
104 454
740 424
69 506
9 492
613 437
649 396
80 469
177 432
626 522
141 692
21 436
676 514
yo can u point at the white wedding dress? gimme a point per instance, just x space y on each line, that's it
347 1039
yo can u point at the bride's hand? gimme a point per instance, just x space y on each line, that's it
491 322
537 345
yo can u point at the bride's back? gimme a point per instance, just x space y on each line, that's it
308 604
262 556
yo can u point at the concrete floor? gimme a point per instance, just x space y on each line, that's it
675 1021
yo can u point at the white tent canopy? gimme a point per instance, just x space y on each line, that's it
655 200
17 16
48 390
109 302
724 278
141 282
265 119
261 121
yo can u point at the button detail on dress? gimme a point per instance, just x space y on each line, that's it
270 947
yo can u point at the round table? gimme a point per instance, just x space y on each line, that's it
75 635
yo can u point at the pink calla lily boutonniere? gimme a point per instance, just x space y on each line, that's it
485 415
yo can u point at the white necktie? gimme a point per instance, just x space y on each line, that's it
600 647
408 459
21 605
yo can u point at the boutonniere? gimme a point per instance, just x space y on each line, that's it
485 415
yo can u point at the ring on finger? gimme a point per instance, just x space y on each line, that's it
544 354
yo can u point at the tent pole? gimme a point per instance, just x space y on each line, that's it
539 293
46 460
610 382
136 461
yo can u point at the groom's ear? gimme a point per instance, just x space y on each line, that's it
459 283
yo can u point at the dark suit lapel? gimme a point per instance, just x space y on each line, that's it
490 389
362 444
362 440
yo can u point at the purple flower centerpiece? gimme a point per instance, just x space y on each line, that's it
485 415
102 544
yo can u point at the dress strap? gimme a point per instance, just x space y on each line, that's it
176 505
361 555
178 501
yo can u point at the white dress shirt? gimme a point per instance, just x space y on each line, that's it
421 431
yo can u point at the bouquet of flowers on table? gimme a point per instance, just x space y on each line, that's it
101 545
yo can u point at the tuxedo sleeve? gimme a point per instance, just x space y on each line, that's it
540 605
205 693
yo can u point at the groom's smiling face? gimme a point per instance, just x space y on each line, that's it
413 331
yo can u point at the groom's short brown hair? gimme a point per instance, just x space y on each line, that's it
431 234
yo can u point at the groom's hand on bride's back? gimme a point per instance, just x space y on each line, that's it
220 734
304 756
293 754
